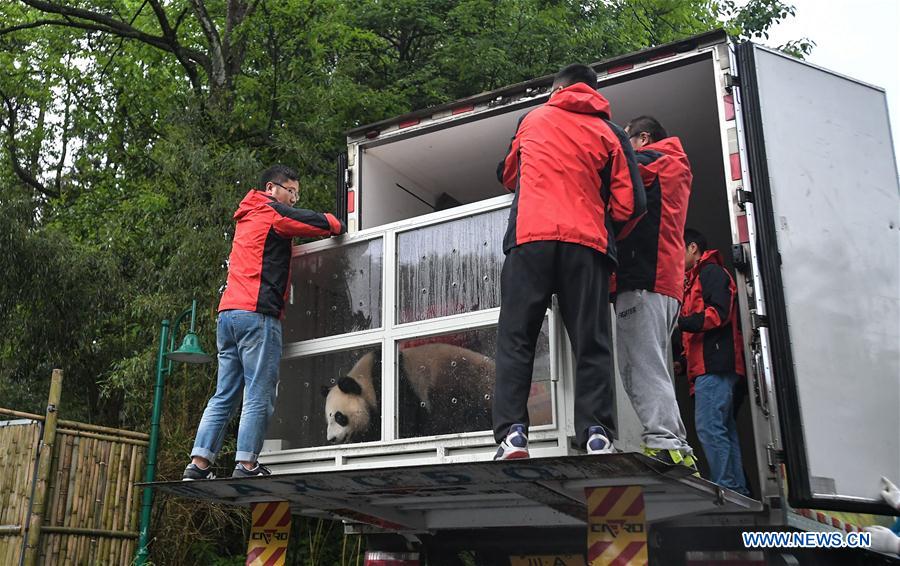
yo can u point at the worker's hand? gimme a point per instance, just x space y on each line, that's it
890 493
884 539
343 227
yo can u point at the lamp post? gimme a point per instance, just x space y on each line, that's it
189 352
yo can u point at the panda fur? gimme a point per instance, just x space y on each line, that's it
443 389
351 405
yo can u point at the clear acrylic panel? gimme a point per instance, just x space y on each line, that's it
446 383
450 268
316 405
335 291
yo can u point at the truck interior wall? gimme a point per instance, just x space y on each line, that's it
460 158
383 179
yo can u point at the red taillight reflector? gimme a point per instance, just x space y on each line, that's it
735 167
729 107
619 69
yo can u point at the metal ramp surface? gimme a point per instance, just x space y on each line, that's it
540 492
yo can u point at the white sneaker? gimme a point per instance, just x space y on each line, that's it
598 441
514 446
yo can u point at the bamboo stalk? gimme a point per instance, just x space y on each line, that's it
97 494
62 476
28 451
90 497
17 487
110 431
21 415
7 481
11 500
53 480
77 486
10 530
99 466
62 423
5 489
131 502
91 532
102 521
53 487
37 514
119 520
64 549
109 501
138 454
116 507
106 437
65 540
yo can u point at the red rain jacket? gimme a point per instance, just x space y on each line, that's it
573 173
652 256
708 322
259 267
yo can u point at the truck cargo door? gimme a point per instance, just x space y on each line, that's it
826 209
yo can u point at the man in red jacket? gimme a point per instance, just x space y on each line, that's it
576 184
649 288
714 351
248 334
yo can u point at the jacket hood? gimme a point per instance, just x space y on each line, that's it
252 200
582 99
710 256
670 146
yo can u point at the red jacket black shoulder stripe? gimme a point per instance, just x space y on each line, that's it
573 173
651 257
709 326
259 267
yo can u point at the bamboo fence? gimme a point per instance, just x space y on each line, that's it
18 445
92 505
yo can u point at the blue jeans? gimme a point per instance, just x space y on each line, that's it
714 417
249 347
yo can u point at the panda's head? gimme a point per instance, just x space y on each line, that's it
347 413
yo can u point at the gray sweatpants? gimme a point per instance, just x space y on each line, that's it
644 325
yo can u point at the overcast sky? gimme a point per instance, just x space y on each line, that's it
857 38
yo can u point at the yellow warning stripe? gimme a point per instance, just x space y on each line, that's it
617 534
269 533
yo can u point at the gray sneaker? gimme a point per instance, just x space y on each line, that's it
241 472
194 472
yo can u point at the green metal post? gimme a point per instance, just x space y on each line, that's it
150 473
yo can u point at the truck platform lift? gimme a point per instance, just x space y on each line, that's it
610 499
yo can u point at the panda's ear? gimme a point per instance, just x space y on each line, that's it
325 390
349 386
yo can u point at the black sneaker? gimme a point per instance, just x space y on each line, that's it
241 472
194 472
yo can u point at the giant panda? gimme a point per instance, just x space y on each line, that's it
351 405
442 389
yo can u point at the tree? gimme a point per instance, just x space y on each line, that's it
130 129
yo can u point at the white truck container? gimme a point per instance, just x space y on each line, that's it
795 181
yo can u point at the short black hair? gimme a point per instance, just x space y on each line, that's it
692 236
647 124
276 174
575 73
